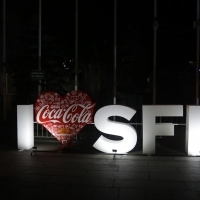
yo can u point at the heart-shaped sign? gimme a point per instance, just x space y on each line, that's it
64 117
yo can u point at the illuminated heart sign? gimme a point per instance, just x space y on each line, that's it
64 116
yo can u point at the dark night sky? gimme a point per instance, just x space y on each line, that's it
175 20
176 35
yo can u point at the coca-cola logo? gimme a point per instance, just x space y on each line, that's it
64 117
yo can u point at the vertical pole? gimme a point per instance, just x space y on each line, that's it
76 45
39 42
4 59
197 55
115 54
155 25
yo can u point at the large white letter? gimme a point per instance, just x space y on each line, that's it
105 125
193 131
25 134
151 129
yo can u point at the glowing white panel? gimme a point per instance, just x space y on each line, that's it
105 125
193 131
25 136
152 129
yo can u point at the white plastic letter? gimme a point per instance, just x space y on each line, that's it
193 131
25 134
151 129
107 126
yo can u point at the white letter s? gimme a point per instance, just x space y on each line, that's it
105 125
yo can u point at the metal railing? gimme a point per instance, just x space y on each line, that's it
41 132
90 132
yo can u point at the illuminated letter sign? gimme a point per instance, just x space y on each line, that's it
64 117
152 129
193 131
25 134
107 126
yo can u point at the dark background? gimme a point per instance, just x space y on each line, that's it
176 46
